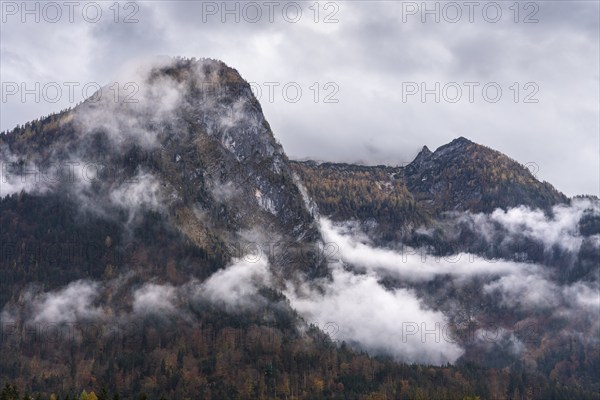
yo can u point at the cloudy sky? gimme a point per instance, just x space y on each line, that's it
352 81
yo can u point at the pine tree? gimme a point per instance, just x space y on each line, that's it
9 392
103 394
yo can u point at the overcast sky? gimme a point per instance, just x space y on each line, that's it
361 67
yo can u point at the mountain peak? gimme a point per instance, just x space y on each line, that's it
461 139
211 71
458 142
424 155
197 130
463 175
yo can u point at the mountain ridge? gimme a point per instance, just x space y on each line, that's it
458 176
195 241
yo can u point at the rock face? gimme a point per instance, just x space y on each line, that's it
193 146
463 175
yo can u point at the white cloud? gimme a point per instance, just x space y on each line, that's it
559 229
130 109
143 191
73 303
392 322
15 178
375 317
154 299
413 265
531 292
584 295
236 286
223 192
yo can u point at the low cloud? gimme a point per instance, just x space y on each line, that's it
378 299
410 264
526 292
154 299
396 317
382 321
141 192
75 302
560 228
224 192
237 286
18 176
129 110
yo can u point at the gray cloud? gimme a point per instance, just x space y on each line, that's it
368 54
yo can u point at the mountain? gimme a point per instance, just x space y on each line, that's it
195 148
118 213
376 194
161 244
463 175
459 176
